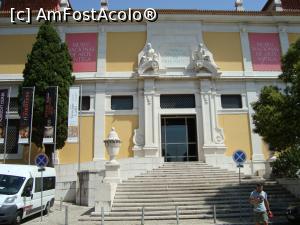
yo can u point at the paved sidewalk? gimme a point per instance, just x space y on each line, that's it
57 217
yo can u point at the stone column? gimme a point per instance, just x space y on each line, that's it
150 120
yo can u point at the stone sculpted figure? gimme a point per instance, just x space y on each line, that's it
203 59
149 60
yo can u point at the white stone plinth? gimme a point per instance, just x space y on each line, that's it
112 173
150 151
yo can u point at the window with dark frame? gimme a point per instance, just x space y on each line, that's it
122 102
48 184
86 103
177 101
12 138
231 101
13 104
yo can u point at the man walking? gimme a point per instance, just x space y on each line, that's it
259 200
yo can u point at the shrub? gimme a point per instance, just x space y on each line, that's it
287 163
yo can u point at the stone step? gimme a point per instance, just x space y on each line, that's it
195 190
249 186
173 217
190 198
195 194
188 212
176 182
185 177
211 202
198 174
150 194
275 207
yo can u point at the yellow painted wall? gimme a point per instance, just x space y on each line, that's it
265 150
34 152
69 153
13 52
226 49
293 37
125 126
123 49
237 133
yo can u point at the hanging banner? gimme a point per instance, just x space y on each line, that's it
26 115
50 115
73 128
3 112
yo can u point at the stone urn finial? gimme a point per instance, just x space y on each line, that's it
112 144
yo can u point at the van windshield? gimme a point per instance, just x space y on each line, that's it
10 185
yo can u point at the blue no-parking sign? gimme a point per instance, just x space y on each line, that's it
41 160
239 157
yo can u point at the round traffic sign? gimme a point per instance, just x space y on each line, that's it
239 156
41 160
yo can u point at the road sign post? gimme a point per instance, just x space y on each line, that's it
239 157
41 161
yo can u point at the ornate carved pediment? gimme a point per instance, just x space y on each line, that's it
148 61
203 61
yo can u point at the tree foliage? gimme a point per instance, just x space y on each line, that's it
277 112
287 163
48 64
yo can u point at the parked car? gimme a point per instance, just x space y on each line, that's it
20 192
293 213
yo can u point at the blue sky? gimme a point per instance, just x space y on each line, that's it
167 4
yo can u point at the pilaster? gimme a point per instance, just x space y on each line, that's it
284 39
256 142
244 35
99 129
150 125
101 63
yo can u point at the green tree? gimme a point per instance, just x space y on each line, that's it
277 112
48 64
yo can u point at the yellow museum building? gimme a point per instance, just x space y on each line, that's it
177 89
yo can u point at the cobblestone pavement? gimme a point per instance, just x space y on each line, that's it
57 217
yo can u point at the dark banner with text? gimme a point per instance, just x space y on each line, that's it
50 115
3 112
26 115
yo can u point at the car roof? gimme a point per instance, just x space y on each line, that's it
24 170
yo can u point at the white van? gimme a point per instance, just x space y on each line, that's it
20 192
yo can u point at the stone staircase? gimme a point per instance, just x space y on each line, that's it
194 188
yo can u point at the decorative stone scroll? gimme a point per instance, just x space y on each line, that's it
138 140
203 61
219 136
148 61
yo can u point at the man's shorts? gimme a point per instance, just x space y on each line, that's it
260 217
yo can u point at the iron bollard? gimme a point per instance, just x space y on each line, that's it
177 215
143 216
215 214
102 215
66 215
